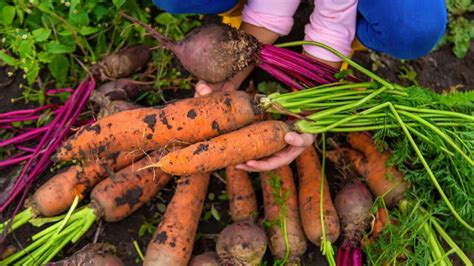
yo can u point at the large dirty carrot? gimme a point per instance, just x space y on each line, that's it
58 193
286 236
252 142
309 174
242 200
188 121
172 243
382 180
113 199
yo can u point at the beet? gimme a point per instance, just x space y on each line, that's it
241 243
122 64
353 203
120 89
209 258
98 254
213 53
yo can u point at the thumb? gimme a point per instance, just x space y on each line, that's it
202 88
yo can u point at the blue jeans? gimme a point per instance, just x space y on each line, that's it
405 29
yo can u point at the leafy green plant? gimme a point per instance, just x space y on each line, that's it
460 27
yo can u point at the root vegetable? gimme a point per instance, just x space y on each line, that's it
252 142
241 243
123 63
120 89
216 52
99 254
282 211
242 200
113 199
309 173
209 258
186 121
172 243
353 203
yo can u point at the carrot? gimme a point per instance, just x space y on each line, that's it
252 142
382 180
242 200
57 194
282 211
124 192
349 157
113 199
173 241
309 173
188 121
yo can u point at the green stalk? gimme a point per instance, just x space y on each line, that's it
318 90
320 99
425 138
431 111
428 170
24 251
308 127
20 219
89 219
450 242
439 132
343 57
331 111
435 248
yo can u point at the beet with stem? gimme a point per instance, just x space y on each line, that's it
353 203
216 52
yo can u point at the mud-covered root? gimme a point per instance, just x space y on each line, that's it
212 52
123 63
99 254
209 258
241 243
353 203
120 89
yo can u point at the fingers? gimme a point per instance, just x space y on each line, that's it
299 140
284 157
203 88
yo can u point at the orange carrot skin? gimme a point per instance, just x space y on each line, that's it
252 142
187 121
350 157
121 194
57 194
380 178
273 213
242 200
310 173
173 241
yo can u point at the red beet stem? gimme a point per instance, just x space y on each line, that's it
346 260
280 75
24 137
27 149
17 158
23 118
51 92
274 59
340 256
27 111
51 140
356 257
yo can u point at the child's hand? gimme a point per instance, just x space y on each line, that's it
203 88
297 142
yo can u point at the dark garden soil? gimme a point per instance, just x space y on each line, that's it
440 70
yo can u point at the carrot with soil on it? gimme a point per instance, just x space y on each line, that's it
252 142
286 236
172 243
383 180
353 203
310 178
187 121
113 199
242 200
58 193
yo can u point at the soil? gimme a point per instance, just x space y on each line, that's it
440 70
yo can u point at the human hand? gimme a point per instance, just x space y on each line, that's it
297 144
203 88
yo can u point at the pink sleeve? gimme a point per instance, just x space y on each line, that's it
274 15
332 23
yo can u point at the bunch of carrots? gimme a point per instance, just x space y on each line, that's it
130 155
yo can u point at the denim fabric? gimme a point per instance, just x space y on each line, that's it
209 7
405 29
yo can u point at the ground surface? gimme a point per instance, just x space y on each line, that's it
440 70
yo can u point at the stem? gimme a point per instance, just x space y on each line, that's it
431 111
428 170
344 58
435 250
450 242
439 132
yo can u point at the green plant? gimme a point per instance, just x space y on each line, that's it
460 26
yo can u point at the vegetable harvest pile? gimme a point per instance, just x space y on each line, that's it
405 154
